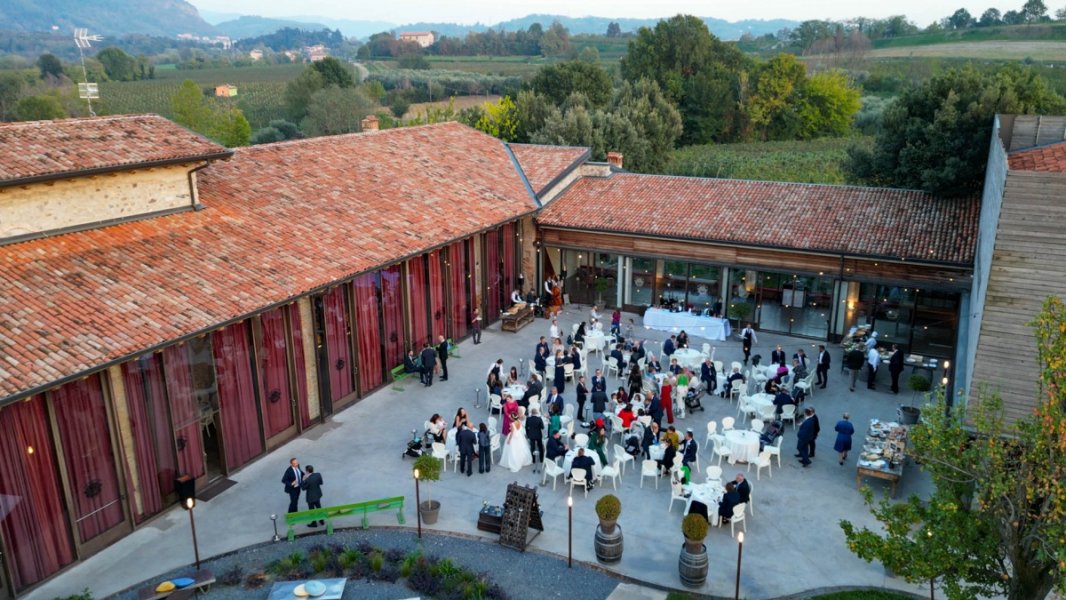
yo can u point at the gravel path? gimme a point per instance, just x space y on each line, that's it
522 575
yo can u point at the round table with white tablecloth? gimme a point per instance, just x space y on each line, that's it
743 445
516 391
569 458
595 341
688 357
761 402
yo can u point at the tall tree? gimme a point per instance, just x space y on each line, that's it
189 107
230 128
996 520
990 17
557 81
334 110
118 65
1033 11
935 136
654 126
49 66
12 84
298 93
334 72
960 19
39 108
613 29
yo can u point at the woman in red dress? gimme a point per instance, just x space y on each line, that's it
666 396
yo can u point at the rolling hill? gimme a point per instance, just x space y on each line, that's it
247 26
105 17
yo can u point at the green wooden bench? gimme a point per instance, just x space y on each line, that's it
398 375
329 513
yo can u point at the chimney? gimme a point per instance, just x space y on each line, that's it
370 123
615 159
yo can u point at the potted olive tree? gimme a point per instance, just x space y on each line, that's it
601 286
427 468
692 564
609 532
740 311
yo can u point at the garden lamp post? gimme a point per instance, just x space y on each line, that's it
740 554
418 505
190 503
570 532
274 519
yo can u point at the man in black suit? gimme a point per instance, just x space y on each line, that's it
895 367
556 446
803 438
583 462
743 488
778 355
466 441
429 362
599 382
688 449
533 389
540 361
410 363
801 356
554 397
599 405
729 500
822 370
313 486
535 435
670 346
582 397
656 409
292 480
709 376
542 344
816 428
442 354
616 356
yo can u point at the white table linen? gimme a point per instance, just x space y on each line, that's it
695 325
569 459
743 445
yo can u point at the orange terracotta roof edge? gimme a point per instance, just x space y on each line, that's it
56 175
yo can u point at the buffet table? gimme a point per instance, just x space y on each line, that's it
883 454
696 325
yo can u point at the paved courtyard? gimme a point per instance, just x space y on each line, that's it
793 542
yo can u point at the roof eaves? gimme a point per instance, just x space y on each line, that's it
567 171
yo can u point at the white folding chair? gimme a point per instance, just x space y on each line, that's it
611 471
551 468
578 476
763 460
622 457
649 468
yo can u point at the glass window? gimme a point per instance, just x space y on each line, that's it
674 284
641 281
703 286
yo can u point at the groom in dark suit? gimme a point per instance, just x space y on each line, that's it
313 485
292 480
466 441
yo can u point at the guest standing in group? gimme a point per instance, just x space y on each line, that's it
895 367
666 398
442 355
670 346
636 380
484 449
822 369
292 479
778 355
748 339
429 363
803 439
844 430
312 486
560 373
535 434
816 428
873 361
582 397
616 322
475 326
854 360
510 413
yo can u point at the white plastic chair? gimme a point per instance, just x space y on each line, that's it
622 457
756 425
763 460
568 371
712 428
495 403
492 425
532 366
706 350
721 450
610 366
714 473
766 412
616 426
649 468
494 440
806 384
441 453
611 471
727 423
581 440
552 469
775 449
677 493
788 413
578 476
738 517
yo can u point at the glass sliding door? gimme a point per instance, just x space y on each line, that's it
438 323
418 303
276 390
153 438
641 282
338 353
392 315
368 331
493 277
237 394
458 290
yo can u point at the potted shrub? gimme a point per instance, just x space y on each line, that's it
428 469
601 286
693 564
609 533
740 311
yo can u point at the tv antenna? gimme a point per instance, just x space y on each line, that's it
86 91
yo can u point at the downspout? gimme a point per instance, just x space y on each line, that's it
193 195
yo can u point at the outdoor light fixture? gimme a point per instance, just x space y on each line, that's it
740 555
570 532
190 503
418 505
274 518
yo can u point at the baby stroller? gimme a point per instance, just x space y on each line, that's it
692 399
414 446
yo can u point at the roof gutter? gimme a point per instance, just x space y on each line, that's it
113 169
522 174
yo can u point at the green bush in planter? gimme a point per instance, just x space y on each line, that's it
695 527
918 383
740 311
609 507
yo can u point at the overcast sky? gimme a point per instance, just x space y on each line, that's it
922 12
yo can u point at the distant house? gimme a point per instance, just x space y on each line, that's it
291 55
422 38
316 53
256 55
225 90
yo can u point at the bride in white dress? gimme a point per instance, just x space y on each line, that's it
516 453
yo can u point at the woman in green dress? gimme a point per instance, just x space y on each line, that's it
597 441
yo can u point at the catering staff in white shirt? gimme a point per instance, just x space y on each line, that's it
516 298
873 360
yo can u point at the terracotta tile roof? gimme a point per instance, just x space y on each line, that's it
542 164
280 220
1049 159
47 148
856 221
